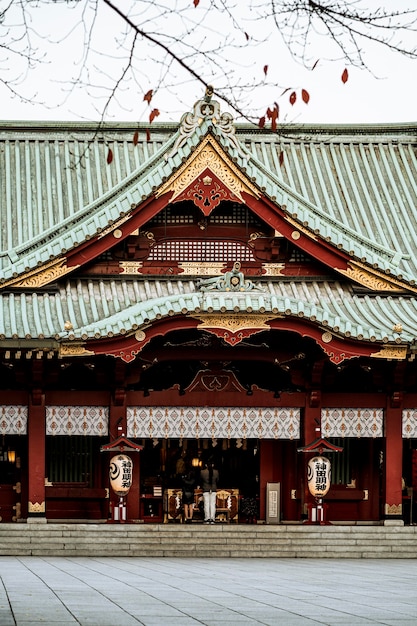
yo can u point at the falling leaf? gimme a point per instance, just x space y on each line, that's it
293 98
281 158
261 122
148 134
265 70
148 96
109 156
153 114
136 138
305 96
196 3
345 76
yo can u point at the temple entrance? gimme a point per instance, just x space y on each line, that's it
165 462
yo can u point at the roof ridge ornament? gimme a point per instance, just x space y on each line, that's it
208 110
234 280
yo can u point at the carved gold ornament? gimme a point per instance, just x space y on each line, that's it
272 269
73 349
393 509
209 155
299 228
372 279
130 267
397 353
235 322
36 507
41 276
203 268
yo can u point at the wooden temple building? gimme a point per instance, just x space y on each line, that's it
207 290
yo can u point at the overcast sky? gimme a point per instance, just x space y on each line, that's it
387 93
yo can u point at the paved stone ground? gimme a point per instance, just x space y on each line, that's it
182 592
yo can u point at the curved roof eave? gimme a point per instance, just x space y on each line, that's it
143 314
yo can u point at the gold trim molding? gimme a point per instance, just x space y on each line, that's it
299 228
42 275
393 509
235 322
395 353
36 507
373 279
73 349
208 155
202 268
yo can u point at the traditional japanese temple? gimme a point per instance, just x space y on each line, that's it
207 290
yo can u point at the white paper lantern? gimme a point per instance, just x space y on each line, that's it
121 467
319 476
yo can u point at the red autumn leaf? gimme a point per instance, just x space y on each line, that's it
196 3
261 122
265 70
293 98
305 96
109 156
136 138
148 96
148 135
273 115
153 114
281 158
345 76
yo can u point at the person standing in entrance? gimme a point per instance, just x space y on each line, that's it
188 484
209 479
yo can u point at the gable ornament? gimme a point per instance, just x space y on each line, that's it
207 109
234 280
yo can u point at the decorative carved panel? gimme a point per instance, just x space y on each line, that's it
208 160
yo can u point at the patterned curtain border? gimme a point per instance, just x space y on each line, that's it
409 426
212 423
349 422
13 419
77 420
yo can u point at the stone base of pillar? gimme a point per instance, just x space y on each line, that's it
393 522
36 520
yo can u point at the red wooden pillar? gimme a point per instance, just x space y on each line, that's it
393 462
268 470
36 458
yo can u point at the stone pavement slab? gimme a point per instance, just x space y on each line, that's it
106 591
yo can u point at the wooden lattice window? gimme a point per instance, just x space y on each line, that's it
197 250
70 459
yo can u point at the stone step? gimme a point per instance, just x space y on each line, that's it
221 540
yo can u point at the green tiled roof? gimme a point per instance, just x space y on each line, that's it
105 308
355 187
